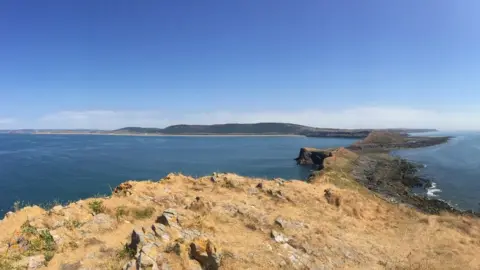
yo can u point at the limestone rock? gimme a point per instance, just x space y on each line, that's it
36 262
148 255
288 224
206 253
279 237
190 234
168 218
299 260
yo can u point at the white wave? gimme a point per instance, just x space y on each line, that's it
431 192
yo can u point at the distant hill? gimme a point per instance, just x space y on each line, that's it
258 128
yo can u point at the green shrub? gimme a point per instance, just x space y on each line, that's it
96 206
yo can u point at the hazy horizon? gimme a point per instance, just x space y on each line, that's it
336 64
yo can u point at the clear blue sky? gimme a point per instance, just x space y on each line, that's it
105 64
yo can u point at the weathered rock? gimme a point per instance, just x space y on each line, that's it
298 259
168 218
190 234
206 253
123 189
279 237
147 256
36 262
280 221
288 224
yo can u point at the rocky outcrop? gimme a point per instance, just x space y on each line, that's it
312 156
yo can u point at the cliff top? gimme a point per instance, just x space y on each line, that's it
226 221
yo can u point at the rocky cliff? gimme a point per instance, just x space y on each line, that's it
312 156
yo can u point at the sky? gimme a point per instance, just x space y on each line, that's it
339 64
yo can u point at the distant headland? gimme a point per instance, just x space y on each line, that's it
263 129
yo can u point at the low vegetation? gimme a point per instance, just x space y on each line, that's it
143 213
96 206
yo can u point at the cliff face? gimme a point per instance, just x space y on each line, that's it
312 156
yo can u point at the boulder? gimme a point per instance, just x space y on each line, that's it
206 253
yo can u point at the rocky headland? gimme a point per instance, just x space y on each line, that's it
351 214
391 177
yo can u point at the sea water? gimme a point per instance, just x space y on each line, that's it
40 169
454 168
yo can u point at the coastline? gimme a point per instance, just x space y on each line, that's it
379 170
168 135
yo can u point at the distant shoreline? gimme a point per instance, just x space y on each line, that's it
166 135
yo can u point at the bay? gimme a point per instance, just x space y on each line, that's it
39 169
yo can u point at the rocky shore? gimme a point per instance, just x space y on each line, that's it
390 177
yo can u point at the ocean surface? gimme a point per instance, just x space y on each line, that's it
454 168
40 169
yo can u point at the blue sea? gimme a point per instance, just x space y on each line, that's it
453 167
39 169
